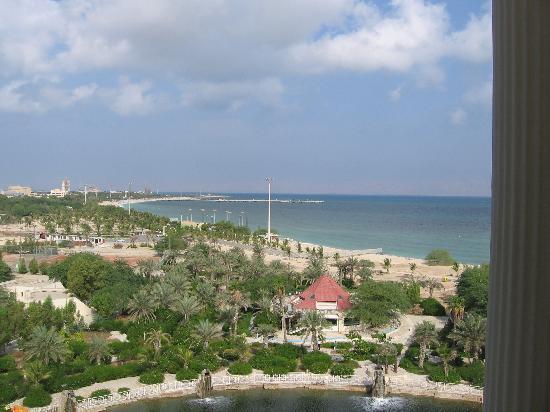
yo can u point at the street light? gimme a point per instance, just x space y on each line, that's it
269 180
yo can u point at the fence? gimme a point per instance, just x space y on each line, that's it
218 382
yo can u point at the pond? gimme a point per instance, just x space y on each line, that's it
296 400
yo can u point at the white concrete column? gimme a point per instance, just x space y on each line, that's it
518 342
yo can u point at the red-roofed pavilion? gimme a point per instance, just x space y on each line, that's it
328 297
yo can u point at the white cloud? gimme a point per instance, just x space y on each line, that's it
40 95
132 98
458 116
218 48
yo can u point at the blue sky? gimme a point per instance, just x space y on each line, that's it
326 96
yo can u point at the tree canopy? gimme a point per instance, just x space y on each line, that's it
473 287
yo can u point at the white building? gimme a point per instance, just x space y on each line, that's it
65 189
37 288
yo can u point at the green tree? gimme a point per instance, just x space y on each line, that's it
46 345
376 303
21 266
431 284
265 331
186 306
205 331
455 306
469 334
35 372
447 355
424 334
311 323
98 350
142 306
33 266
473 287
5 271
439 257
155 339
412 267
86 274
387 264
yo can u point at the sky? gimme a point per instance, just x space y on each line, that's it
325 96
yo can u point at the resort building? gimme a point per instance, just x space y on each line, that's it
37 288
80 239
328 297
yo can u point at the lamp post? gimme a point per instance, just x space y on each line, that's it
269 180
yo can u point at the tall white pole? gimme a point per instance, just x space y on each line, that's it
269 180
214 216
85 193
129 190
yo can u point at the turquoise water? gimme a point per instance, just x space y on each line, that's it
297 400
400 225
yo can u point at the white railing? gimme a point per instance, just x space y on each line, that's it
218 382
51 408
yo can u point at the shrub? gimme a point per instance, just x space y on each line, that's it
37 397
319 367
205 360
272 364
316 358
151 377
100 392
186 375
240 368
123 390
350 363
474 373
439 257
431 307
7 363
230 354
117 246
33 266
288 350
341 369
438 375
12 386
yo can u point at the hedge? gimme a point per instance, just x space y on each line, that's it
272 364
206 360
317 359
341 370
438 375
123 390
431 307
100 392
7 363
186 375
12 386
240 368
474 373
151 377
37 397
231 354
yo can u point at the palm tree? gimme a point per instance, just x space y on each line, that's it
206 331
155 338
412 266
206 292
35 372
164 294
456 268
431 284
99 349
446 355
265 331
312 323
456 308
145 267
424 334
232 304
281 308
186 306
387 264
46 345
469 334
387 349
142 306
185 355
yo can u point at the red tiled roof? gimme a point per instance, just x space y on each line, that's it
324 289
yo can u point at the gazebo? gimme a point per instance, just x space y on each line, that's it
328 297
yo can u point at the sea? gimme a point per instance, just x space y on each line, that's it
409 226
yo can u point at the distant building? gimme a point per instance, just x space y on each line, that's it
79 239
328 297
17 190
64 191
